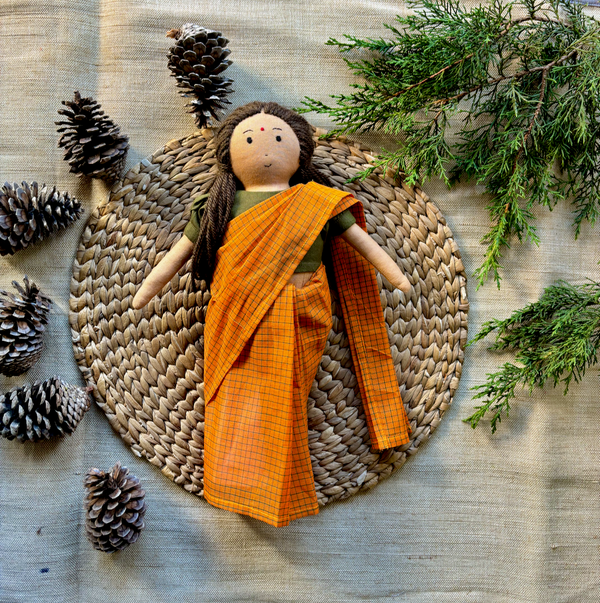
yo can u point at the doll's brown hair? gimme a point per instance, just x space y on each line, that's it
220 201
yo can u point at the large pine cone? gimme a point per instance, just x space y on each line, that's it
29 214
115 508
23 320
93 143
196 60
42 411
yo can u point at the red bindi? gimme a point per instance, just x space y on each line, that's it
262 129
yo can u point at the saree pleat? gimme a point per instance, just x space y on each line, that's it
257 460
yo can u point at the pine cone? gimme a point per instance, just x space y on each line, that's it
29 215
196 60
115 508
42 411
94 145
23 320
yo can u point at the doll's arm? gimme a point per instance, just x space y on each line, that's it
374 254
163 272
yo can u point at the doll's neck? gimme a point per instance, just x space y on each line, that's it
267 187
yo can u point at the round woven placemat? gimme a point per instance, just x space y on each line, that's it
147 365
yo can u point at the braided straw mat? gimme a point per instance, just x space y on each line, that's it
147 365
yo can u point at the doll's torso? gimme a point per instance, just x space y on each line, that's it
245 200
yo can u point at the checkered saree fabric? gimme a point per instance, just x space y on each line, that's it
264 339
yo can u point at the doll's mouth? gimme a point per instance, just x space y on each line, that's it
268 165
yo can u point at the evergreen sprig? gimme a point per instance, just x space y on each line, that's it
528 88
555 338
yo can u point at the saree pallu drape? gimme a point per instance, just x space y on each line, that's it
263 342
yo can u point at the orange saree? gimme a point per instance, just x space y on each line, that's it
263 342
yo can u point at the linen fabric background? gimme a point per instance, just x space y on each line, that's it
472 517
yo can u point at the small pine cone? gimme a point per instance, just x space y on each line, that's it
42 411
23 320
29 214
196 60
115 508
93 143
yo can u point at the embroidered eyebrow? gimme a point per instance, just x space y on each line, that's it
248 131
278 129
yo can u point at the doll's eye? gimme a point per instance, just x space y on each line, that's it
278 138
249 140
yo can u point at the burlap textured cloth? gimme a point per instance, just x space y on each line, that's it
512 517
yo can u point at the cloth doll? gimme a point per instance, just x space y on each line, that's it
258 240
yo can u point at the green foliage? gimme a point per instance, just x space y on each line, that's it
528 89
555 339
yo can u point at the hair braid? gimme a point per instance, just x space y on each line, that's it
212 226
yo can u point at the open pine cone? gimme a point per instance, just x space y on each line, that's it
93 143
42 411
196 60
29 214
115 508
23 320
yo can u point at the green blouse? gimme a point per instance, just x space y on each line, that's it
246 199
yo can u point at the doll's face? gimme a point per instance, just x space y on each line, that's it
265 153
